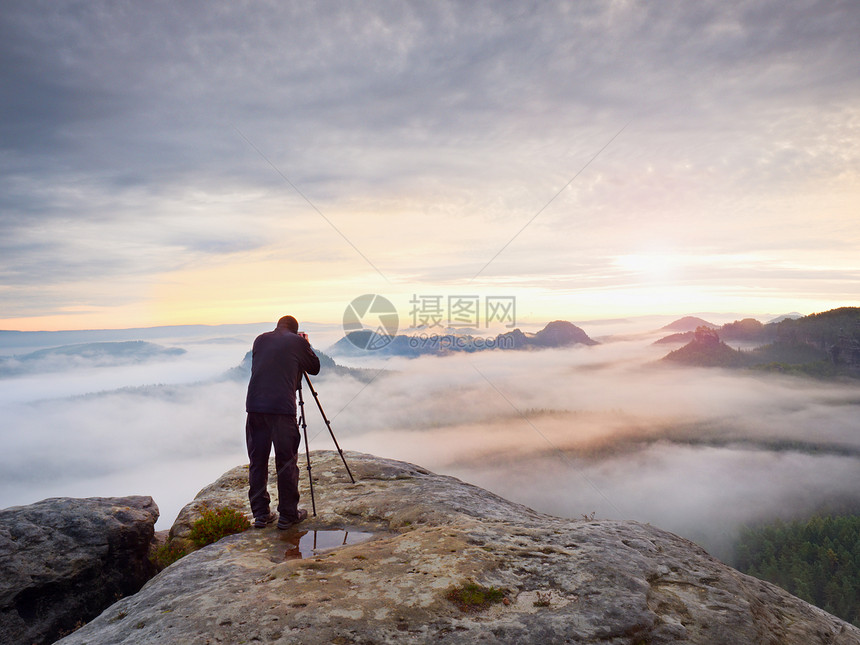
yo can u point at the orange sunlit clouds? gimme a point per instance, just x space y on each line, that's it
255 288
84 317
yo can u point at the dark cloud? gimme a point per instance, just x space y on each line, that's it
171 79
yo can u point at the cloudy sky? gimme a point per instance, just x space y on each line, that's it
220 162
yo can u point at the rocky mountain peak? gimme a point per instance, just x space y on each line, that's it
559 333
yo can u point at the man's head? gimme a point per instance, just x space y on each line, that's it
288 322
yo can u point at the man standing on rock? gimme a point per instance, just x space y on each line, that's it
278 360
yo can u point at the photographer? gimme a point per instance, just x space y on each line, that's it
279 358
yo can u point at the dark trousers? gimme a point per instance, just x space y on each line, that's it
261 432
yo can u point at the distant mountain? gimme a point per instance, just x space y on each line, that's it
242 372
559 333
353 344
823 344
69 337
822 330
792 316
707 350
676 339
746 330
688 324
787 353
108 354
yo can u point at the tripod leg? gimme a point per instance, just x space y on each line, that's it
328 425
307 448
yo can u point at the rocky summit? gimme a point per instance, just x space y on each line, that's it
443 561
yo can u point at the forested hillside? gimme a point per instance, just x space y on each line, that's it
817 560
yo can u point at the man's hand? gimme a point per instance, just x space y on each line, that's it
303 335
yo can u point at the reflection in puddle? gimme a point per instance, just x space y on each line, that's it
304 543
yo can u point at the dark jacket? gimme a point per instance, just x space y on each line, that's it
277 361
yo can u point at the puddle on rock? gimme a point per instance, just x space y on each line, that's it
296 543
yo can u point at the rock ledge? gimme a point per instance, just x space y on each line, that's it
566 581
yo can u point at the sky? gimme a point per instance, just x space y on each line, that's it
229 162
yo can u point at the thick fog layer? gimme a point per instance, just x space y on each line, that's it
603 430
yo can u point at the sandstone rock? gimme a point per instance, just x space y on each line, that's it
565 581
63 560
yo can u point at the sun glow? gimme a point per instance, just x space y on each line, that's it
651 266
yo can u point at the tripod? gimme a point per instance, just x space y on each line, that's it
305 432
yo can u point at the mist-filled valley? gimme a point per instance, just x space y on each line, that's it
607 430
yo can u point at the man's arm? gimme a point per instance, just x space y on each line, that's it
309 361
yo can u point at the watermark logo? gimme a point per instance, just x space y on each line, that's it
451 342
463 311
370 321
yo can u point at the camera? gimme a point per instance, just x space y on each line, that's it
303 334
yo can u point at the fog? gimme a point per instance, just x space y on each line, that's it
603 430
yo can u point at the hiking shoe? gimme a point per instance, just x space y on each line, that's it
285 522
263 522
